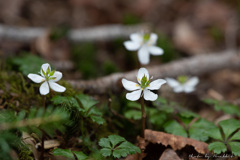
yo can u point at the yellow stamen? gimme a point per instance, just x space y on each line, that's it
139 79
149 85
141 88
137 85
43 80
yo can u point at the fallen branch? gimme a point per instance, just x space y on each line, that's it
196 65
106 32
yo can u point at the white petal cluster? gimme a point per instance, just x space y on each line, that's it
145 44
48 79
139 88
187 87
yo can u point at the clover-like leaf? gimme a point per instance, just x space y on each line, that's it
236 136
175 128
198 130
229 126
217 147
235 148
104 142
115 139
106 152
117 147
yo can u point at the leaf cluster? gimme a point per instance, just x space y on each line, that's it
226 136
35 120
224 106
80 105
117 147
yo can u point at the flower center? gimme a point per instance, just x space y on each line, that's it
144 82
182 79
146 37
49 74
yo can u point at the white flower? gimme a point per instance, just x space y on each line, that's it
144 86
145 44
183 84
48 78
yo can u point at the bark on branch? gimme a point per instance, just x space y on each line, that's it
196 65
105 32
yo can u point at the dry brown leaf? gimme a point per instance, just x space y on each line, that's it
176 142
169 154
27 139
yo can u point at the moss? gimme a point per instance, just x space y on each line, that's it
25 153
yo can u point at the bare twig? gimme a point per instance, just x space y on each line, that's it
197 65
106 32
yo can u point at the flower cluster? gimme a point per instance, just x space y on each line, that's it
143 86
48 79
145 44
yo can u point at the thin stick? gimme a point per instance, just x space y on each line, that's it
143 116
116 114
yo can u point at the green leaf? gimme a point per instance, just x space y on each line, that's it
115 139
86 101
235 148
80 155
63 152
28 63
133 114
131 149
122 152
104 142
217 147
198 130
65 101
96 116
214 133
188 114
236 136
211 101
119 148
175 128
157 118
229 126
106 152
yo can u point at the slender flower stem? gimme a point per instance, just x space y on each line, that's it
143 116
43 134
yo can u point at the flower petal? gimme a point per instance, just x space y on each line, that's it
130 86
136 37
178 89
57 75
154 50
141 73
133 96
154 85
44 88
153 39
188 89
192 82
56 87
172 82
143 55
131 46
44 68
36 78
149 96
